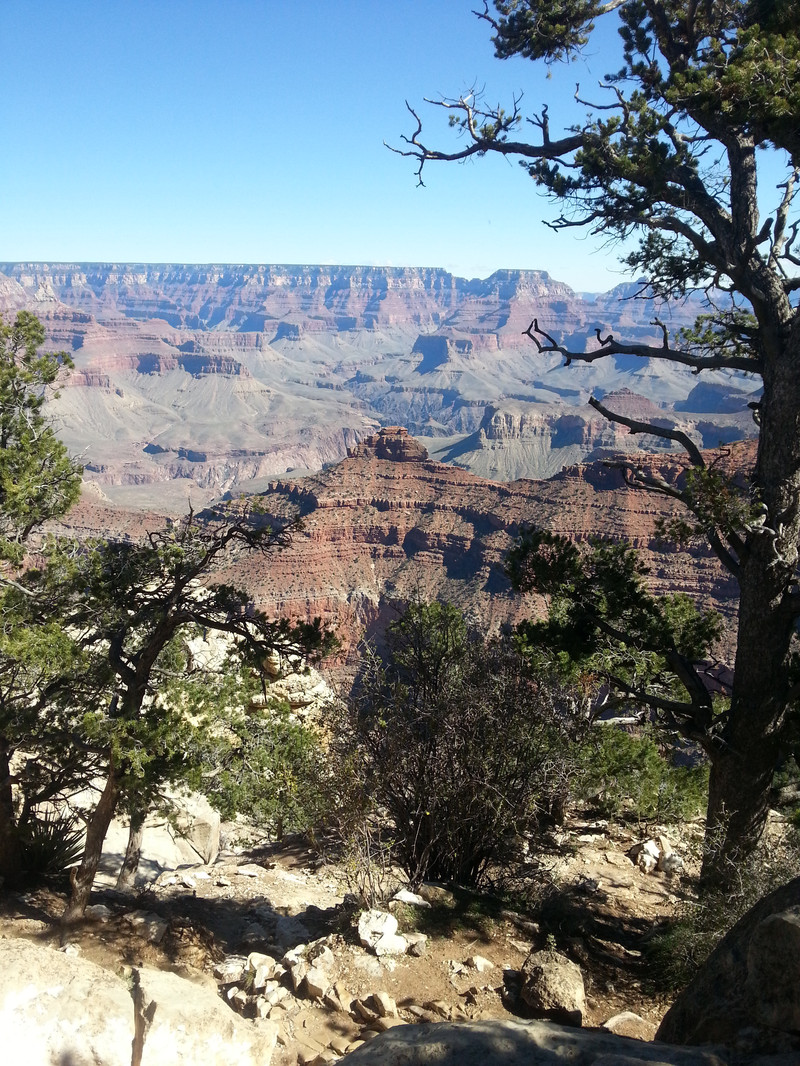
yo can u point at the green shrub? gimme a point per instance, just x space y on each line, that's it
626 775
457 744
51 843
249 759
270 770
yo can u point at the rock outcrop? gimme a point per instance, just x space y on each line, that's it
58 1008
189 835
377 532
746 994
206 379
392 443
532 1043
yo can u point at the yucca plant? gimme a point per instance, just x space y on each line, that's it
51 843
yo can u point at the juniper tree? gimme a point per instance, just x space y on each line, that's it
124 604
679 148
38 481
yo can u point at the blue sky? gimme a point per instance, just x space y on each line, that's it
252 130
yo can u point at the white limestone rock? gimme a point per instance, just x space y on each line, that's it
377 930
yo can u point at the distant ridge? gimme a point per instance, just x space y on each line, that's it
201 379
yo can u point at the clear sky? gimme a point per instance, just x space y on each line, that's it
252 131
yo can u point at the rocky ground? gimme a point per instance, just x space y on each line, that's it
265 903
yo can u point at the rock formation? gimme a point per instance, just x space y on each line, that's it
392 443
746 994
57 1008
377 531
533 1043
196 380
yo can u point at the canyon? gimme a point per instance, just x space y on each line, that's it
195 381
387 524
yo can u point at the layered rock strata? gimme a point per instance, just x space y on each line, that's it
376 532
196 380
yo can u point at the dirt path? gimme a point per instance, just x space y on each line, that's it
270 900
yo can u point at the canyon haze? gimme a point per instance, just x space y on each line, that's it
191 382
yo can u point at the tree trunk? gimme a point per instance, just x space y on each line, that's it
130 864
10 845
749 747
82 879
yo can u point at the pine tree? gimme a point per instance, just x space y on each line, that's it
706 102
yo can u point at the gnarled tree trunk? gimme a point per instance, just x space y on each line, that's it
749 747
83 877
130 864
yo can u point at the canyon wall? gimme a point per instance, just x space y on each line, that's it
192 381
377 531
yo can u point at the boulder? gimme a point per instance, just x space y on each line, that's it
413 899
748 992
231 969
384 1004
184 1023
645 855
500 1043
417 943
290 931
317 982
190 836
626 1023
264 968
197 824
147 925
377 931
57 1009
552 986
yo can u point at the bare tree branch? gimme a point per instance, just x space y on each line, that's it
644 351
487 131
635 426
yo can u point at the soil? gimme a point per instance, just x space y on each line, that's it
600 911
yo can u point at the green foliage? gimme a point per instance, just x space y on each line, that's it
112 620
273 772
718 505
51 843
38 480
649 158
90 639
553 31
246 757
727 333
457 744
747 70
458 911
625 774
601 618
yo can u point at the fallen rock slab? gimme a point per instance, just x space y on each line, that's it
58 1009
508 1043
